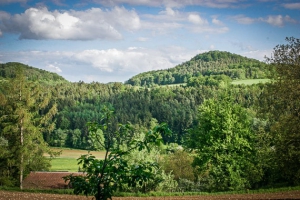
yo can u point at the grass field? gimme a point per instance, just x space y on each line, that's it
67 161
250 81
64 164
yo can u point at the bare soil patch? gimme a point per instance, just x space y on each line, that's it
6 195
46 180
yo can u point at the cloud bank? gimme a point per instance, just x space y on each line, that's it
94 23
101 65
274 20
176 3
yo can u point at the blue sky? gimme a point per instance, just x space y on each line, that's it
113 40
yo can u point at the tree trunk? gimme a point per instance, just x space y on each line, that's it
21 143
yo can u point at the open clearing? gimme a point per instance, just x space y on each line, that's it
5 195
249 81
76 153
67 161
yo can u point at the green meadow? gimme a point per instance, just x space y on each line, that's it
250 81
67 161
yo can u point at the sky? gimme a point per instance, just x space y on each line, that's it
113 40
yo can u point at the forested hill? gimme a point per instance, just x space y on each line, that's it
209 63
8 70
79 103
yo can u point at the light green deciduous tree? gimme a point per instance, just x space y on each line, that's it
223 143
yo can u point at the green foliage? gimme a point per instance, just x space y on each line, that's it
8 70
79 103
186 185
161 181
224 145
205 64
65 108
280 106
103 177
180 164
214 80
26 111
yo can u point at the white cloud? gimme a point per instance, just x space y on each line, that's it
242 46
219 3
133 60
142 39
94 23
173 19
169 12
59 2
53 68
163 22
216 21
12 1
291 5
242 19
101 65
176 3
208 29
274 20
196 19
278 20
154 3
258 54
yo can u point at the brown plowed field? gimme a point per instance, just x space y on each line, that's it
5 195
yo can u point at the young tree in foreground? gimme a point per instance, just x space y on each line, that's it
280 104
104 176
25 112
223 143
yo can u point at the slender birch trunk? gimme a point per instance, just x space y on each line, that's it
22 157
21 143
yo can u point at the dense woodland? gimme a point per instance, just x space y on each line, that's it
211 63
79 103
230 133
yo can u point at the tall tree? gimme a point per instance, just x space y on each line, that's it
281 106
25 113
223 143
103 176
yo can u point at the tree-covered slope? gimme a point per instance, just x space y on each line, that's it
8 70
79 103
206 64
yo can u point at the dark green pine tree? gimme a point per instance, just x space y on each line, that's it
26 111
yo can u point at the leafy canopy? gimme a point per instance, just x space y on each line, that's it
281 106
102 177
223 143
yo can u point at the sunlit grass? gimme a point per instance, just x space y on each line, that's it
250 81
76 153
67 161
64 164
